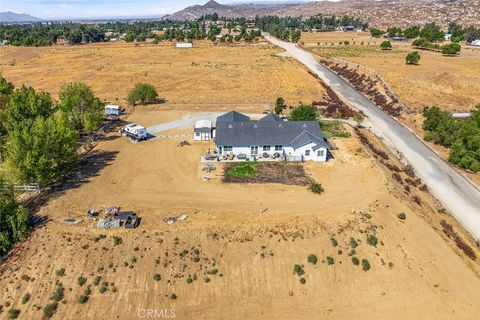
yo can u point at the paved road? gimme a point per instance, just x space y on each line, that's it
455 192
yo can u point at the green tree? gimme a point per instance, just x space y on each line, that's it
13 219
451 49
376 33
44 150
142 93
304 113
412 58
279 105
83 109
386 45
6 89
24 106
412 32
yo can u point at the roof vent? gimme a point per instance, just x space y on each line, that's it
230 126
280 125
255 125
304 125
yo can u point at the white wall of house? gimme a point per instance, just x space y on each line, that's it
202 136
309 154
306 151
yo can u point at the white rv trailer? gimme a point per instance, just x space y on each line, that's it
113 110
135 132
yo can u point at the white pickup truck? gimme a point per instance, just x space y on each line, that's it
135 132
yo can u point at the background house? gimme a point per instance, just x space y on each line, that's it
202 130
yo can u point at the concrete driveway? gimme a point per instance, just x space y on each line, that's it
454 191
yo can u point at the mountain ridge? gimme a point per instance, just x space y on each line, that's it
12 17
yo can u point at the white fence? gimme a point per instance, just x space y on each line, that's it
32 187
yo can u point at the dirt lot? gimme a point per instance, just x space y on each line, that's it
248 256
446 82
215 77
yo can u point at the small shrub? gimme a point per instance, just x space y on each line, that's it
60 272
25 277
402 216
352 253
316 188
298 269
365 265
207 279
87 291
157 277
59 293
189 280
103 289
312 259
49 310
25 298
355 261
330 260
302 280
117 240
173 296
81 280
82 299
13 314
334 242
372 240
353 243
97 280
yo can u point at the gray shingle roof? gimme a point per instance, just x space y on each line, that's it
270 117
269 132
232 116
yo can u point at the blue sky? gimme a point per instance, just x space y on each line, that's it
103 8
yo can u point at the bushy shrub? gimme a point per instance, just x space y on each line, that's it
97 280
330 260
372 240
103 289
49 310
298 269
13 314
60 272
117 240
302 280
334 242
316 188
412 58
355 261
82 299
157 277
81 280
365 265
25 298
312 259
402 216
142 93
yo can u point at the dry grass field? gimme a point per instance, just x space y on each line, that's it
451 83
240 242
207 76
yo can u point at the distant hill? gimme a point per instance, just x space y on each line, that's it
12 17
378 13
230 11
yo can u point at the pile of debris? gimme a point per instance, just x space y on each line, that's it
184 143
115 218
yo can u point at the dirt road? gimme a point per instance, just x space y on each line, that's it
456 193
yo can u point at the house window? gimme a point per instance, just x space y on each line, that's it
278 148
321 153
254 150
197 134
227 148
307 153
266 148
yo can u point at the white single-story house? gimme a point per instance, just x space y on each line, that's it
184 45
113 110
447 36
475 43
292 140
202 130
